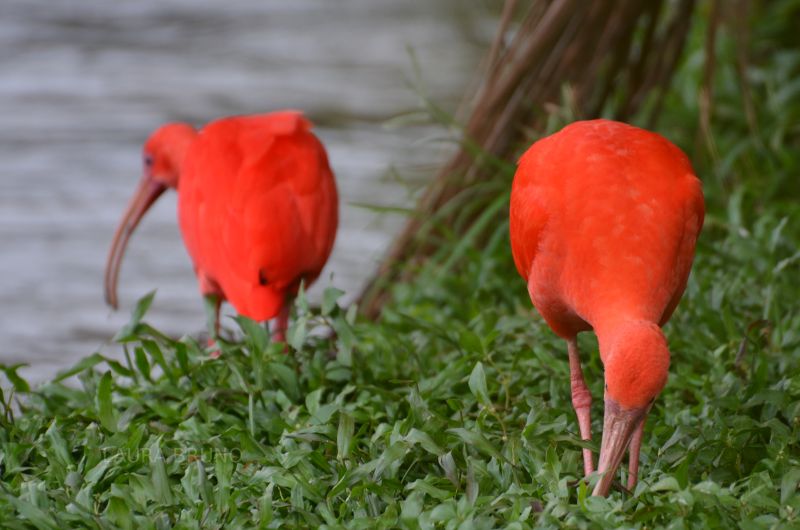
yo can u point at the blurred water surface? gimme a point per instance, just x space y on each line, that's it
83 82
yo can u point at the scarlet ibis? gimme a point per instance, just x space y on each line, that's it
257 209
604 219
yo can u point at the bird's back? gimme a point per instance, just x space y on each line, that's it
258 208
604 219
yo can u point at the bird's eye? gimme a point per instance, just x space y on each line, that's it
148 161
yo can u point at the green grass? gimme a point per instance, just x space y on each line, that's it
454 410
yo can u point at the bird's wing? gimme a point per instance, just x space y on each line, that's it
285 194
528 212
691 196
268 205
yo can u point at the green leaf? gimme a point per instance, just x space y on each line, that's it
344 436
412 506
118 512
162 492
84 364
105 409
94 475
20 385
141 308
471 342
287 378
789 483
329 298
597 505
142 364
476 440
296 335
390 459
477 384
181 355
416 436
204 485
38 517
129 332
666 483
448 464
265 510
223 469
473 487
58 444
346 340
301 300
155 353
423 486
255 333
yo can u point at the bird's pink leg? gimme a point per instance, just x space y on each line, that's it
633 455
581 401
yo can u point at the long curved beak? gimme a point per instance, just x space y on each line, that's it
146 194
618 427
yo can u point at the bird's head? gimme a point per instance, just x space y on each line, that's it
636 360
163 152
162 158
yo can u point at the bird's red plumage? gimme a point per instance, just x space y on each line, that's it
258 209
604 219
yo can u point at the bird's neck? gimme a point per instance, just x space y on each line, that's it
624 329
180 146
636 359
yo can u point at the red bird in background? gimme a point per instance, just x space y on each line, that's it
257 208
604 219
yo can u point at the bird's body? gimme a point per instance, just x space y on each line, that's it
604 221
257 207
604 218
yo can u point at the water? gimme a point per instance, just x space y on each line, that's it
83 82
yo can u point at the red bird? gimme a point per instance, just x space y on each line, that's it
257 208
604 219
